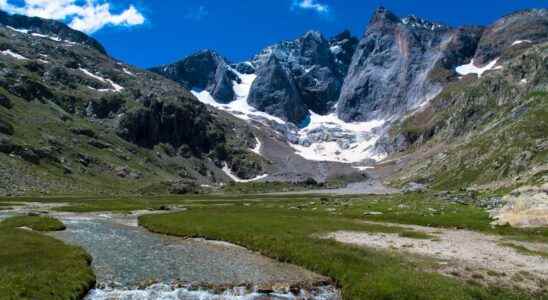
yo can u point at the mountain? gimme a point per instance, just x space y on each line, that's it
405 87
205 70
39 27
488 128
394 69
73 119
292 77
410 101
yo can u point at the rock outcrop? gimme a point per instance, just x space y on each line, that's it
205 70
523 27
275 92
391 71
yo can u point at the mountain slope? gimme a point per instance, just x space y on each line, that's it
490 131
72 119
407 83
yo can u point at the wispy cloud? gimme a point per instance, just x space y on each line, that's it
197 14
89 16
313 5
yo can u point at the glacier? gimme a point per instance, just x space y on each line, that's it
321 138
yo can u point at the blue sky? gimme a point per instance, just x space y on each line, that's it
151 32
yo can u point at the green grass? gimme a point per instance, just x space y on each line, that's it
34 266
38 223
291 235
417 208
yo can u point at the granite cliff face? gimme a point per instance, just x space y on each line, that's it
391 71
275 92
315 65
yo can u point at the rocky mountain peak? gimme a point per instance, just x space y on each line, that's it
390 71
204 70
418 22
383 16
313 35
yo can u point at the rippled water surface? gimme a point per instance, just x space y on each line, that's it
127 258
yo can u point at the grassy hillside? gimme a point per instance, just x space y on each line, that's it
480 131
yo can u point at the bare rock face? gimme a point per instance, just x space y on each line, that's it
343 46
523 27
314 65
391 68
274 92
205 70
177 123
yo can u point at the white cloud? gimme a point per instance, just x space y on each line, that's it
311 5
89 17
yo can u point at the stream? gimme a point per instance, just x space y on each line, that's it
132 263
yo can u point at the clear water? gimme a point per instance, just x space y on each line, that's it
128 260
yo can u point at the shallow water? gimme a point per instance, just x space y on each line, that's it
128 260
132 263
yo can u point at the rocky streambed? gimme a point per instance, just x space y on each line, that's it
133 264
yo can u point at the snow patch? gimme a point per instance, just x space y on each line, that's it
53 38
257 148
25 31
239 107
518 42
363 168
471 68
35 34
115 87
128 72
8 52
336 49
235 178
340 141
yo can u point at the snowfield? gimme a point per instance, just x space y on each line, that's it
471 68
115 87
239 107
325 138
